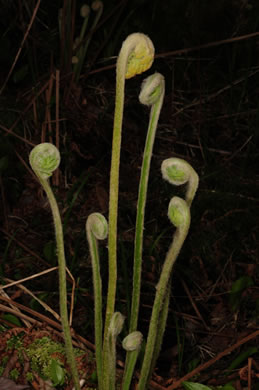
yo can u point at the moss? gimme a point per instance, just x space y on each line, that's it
42 352
14 374
47 358
15 342
29 376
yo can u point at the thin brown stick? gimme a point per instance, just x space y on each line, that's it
57 106
207 45
29 292
249 373
28 278
25 247
43 319
4 294
194 304
215 94
48 121
8 131
72 302
22 44
3 198
17 282
202 367
188 49
35 114
56 174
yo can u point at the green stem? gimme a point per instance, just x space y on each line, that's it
114 330
177 172
135 57
179 213
152 93
97 228
85 13
161 327
128 373
132 344
97 6
44 159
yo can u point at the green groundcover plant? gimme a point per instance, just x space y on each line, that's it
135 57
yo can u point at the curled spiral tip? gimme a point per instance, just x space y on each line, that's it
141 53
97 223
116 324
96 5
85 10
44 159
179 212
74 60
176 171
132 341
152 89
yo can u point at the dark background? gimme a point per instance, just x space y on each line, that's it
209 117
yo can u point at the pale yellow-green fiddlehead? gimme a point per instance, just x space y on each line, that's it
44 160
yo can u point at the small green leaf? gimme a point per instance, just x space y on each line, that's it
228 386
14 374
57 373
237 289
193 364
195 386
243 356
12 319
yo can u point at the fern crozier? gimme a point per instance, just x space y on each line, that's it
44 159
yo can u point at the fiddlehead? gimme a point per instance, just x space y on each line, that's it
44 159
97 224
177 172
115 327
139 54
133 341
152 90
97 229
84 12
152 94
131 344
97 7
179 214
136 56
